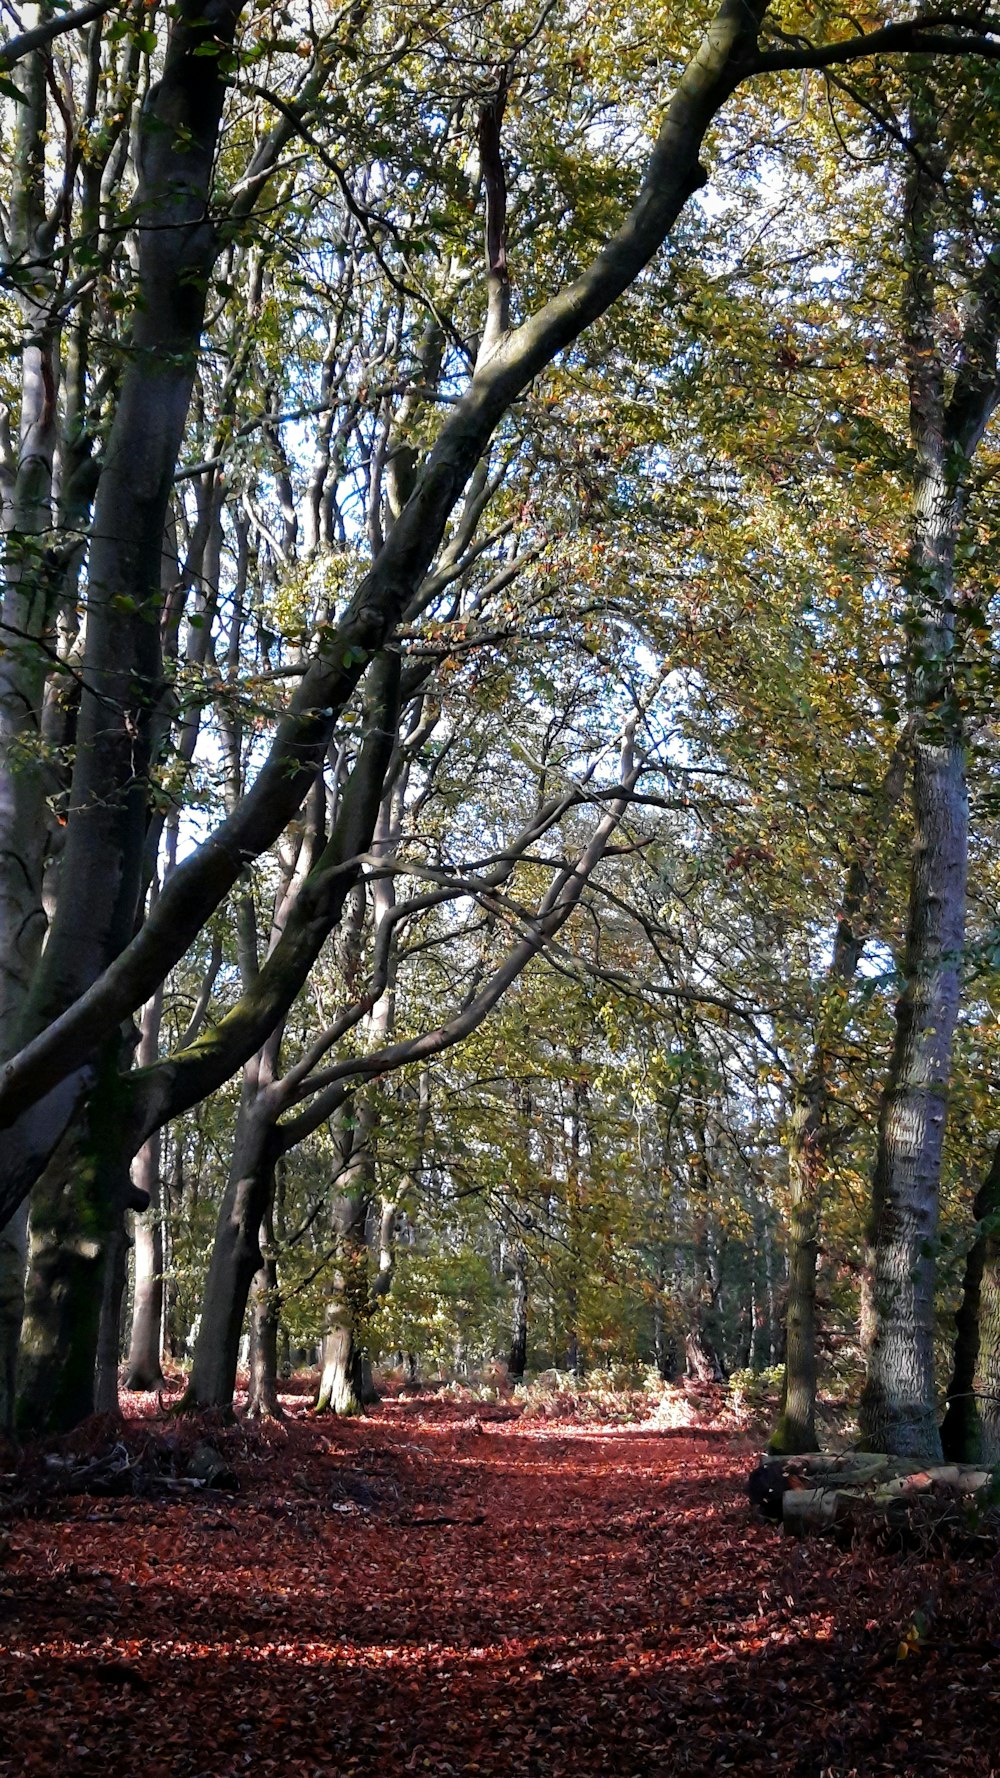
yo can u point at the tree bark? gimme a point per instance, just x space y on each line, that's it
145 1369
109 1334
341 1388
77 1212
13 1266
517 1358
236 1255
987 1382
27 611
897 1411
262 1393
972 1417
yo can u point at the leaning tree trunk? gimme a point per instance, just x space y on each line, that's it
236 1255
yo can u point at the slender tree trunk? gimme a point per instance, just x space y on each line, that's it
702 1339
174 1189
796 1426
236 1255
262 1394
27 609
977 1338
145 1370
13 1265
342 1383
109 1334
807 1141
665 1354
517 1358
987 1382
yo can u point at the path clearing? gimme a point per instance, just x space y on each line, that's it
433 1591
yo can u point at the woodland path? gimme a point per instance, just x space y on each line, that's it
605 1605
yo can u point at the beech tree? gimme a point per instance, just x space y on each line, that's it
77 1002
178 182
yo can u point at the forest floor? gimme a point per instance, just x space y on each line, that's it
445 1588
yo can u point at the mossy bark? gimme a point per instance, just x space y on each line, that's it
76 1211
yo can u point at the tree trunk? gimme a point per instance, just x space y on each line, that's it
262 1394
796 1426
969 1428
13 1265
236 1256
109 1335
28 607
76 1211
173 1186
342 1384
988 1369
898 1410
517 1358
145 1347
145 1370
702 1340
807 1140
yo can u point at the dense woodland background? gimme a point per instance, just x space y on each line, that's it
497 690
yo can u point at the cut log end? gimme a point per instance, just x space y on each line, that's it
855 1491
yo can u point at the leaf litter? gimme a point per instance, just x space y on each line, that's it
441 1588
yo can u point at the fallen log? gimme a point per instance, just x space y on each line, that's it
857 1491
